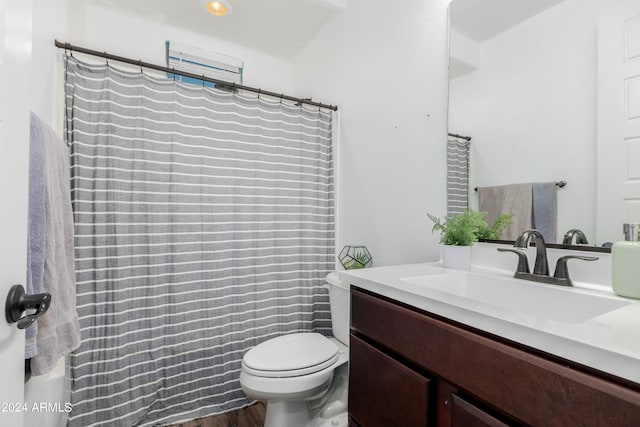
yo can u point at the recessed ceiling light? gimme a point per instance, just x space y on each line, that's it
217 7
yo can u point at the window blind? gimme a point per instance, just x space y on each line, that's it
198 61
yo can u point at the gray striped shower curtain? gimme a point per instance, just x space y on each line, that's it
204 225
457 175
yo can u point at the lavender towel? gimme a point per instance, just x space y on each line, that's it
36 224
58 329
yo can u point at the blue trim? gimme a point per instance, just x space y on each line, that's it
190 80
203 65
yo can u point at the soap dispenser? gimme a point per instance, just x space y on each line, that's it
625 263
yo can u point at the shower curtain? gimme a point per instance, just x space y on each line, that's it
457 175
204 225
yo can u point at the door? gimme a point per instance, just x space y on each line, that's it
618 191
15 62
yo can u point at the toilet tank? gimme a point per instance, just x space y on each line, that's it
339 299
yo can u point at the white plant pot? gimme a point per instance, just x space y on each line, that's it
456 257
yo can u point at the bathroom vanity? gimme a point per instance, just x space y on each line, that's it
431 346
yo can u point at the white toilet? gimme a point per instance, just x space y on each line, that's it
303 376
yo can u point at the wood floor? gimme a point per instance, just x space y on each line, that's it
251 416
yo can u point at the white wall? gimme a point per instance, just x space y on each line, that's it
531 109
386 69
126 35
463 54
52 20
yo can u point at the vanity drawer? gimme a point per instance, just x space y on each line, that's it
382 391
508 379
465 414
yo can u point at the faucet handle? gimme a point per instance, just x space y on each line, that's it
523 262
562 270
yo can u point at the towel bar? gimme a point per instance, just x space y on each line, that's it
560 184
18 301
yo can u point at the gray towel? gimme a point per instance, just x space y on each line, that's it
58 329
515 199
36 225
545 209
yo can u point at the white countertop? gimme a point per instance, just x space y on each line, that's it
608 342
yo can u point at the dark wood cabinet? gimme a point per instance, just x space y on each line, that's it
465 414
378 390
457 376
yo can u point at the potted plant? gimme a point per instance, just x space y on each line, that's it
459 232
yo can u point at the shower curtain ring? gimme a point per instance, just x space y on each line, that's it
203 80
106 58
174 73
140 63
281 96
259 91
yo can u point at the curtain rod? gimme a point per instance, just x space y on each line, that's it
560 184
455 135
222 83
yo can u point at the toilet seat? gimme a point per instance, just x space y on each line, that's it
291 356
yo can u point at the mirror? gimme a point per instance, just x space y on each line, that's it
523 86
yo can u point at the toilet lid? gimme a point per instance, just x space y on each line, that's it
291 355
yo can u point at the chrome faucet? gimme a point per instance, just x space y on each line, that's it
581 238
541 266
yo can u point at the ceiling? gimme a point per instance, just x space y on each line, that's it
283 27
481 20
279 27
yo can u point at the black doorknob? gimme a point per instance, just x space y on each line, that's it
18 301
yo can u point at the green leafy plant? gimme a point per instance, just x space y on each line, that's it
494 232
359 260
460 229
362 257
466 228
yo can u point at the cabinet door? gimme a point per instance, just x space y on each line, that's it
382 391
464 414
